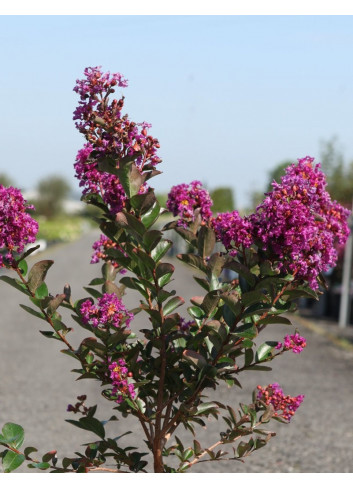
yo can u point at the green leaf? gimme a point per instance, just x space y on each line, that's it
274 320
246 331
252 297
151 238
301 292
206 241
195 358
93 292
189 452
265 350
89 424
15 283
229 315
110 287
39 465
242 270
187 235
42 291
268 414
107 165
131 223
97 281
28 450
193 260
49 456
233 302
196 312
12 461
38 273
143 257
203 282
32 311
205 407
161 249
143 202
164 271
29 252
22 265
14 434
173 304
151 215
249 356
216 264
210 302
268 269
55 303
131 179
133 283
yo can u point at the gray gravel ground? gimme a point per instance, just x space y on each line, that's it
36 384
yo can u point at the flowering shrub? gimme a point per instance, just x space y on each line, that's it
160 375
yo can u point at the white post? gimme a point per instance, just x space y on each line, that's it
345 305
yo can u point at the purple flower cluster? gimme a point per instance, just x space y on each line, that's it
273 394
110 134
233 231
293 342
184 326
100 248
17 227
119 375
109 311
299 224
184 200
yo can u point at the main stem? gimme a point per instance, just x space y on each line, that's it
158 434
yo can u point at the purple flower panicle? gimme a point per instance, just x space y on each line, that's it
293 342
100 248
119 375
233 231
284 406
17 227
109 134
109 311
298 224
184 200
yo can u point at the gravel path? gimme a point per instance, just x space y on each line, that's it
36 384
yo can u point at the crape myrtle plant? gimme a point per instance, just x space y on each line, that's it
164 375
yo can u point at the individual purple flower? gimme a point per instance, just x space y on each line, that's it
17 227
184 200
298 224
119 374
109 311
233 231
284 406
293 342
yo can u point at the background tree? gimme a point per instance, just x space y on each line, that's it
5 180
223 200
339 174
52 191
277 173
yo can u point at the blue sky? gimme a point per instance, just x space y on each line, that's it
228 97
